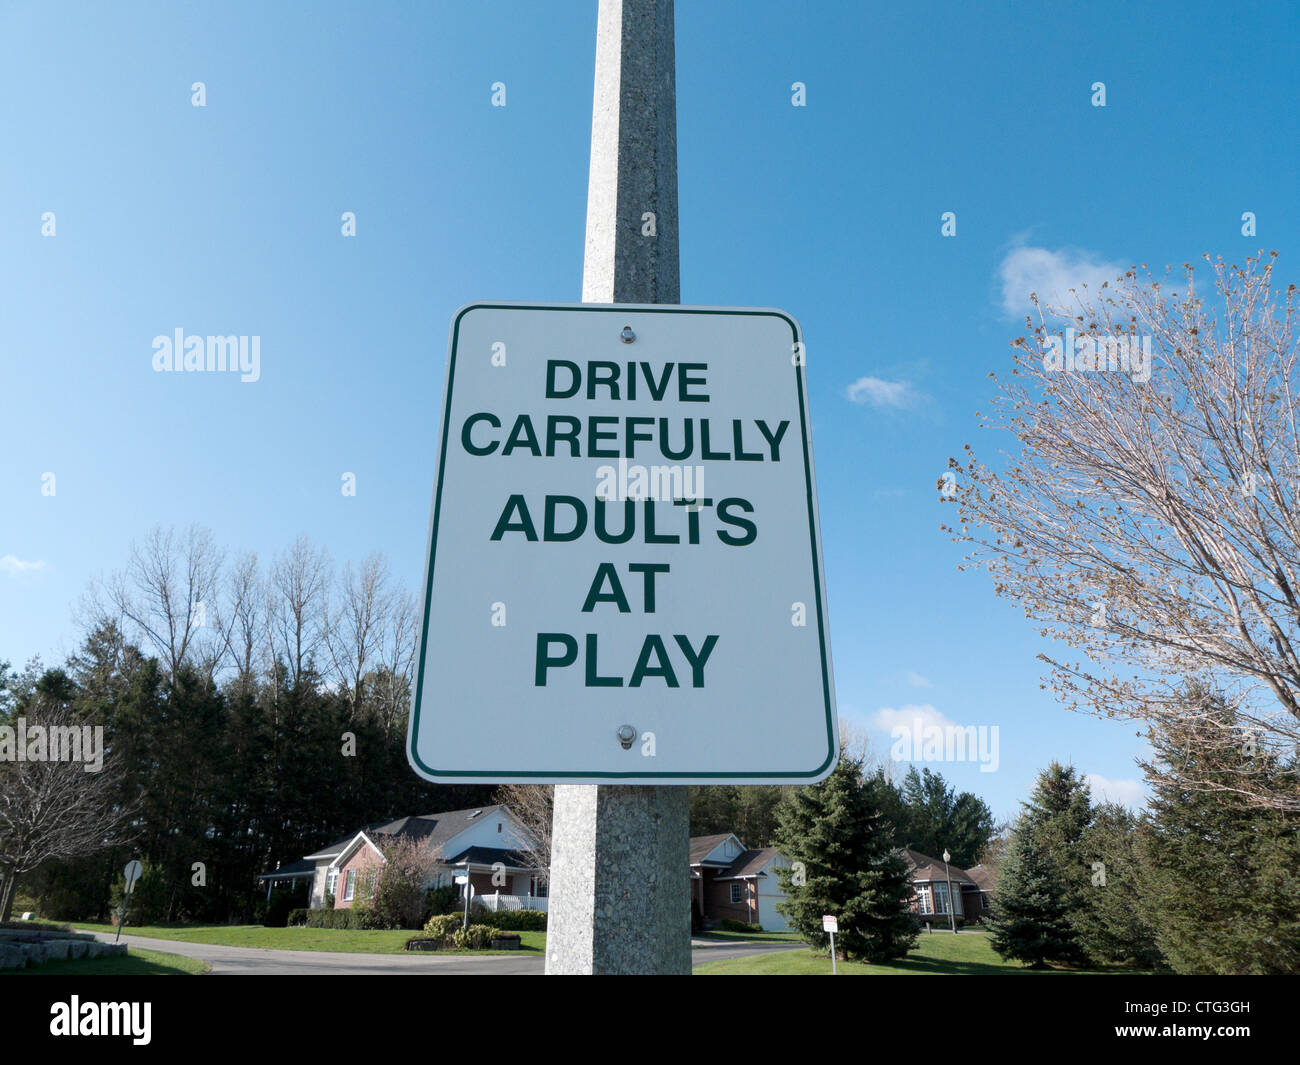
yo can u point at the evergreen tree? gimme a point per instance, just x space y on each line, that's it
1112 925
1223 893
1058 813
1043 879
1030 919
931 817
850 866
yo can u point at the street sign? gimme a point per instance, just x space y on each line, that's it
831 925
624 579
132 874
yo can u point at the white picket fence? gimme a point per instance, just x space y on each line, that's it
496 902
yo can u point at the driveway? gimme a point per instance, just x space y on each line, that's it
236 961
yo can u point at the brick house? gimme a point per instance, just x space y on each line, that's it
487 843
731 882
971 891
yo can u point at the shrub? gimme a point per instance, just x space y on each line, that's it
277 911
514 920
148 897
740 926
441 900
442 927
397 897
475 937
506 937
298 918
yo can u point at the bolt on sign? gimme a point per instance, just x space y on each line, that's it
624 578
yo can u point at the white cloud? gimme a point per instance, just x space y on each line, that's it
887 718
1128 793
13 565
881 393
1051 274
916 680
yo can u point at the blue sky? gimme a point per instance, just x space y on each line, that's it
226 219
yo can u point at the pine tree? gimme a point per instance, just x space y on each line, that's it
1222 891
930 816
834 832
1043 879
1030 919
1112 924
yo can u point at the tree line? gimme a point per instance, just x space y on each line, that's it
1201 881
250 715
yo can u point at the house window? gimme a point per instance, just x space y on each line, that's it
350 885
941 900
737 892
332 883
924 902
984 901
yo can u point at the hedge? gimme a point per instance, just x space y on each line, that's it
349 919
511 920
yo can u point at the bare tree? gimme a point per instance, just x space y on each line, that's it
1150 518
167 597
353 632
297 605
247 604
54 810
399 641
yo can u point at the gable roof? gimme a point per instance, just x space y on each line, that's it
984 877
750 863
926 868
702 845
436 828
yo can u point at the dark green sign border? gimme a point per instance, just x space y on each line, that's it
452 775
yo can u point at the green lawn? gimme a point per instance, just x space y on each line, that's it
330 939
134 963
751 937
939 953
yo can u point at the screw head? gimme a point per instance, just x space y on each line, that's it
626 735
627 336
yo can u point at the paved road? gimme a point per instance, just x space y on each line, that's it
234 961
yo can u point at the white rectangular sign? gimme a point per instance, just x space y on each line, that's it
624 577
830 923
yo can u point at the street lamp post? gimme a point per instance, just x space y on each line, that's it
952 919
468 889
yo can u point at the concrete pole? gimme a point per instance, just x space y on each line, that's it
620 875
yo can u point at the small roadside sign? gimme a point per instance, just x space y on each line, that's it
132 872
831 925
